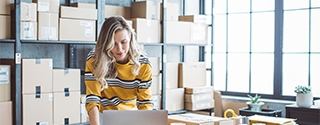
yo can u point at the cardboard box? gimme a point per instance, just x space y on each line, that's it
200 89
28 31
5 83
173 11
198 33
6 113
84 5
63 101
5 7
8 89
197 119
83 111
111 10
198 97
148 31
63 79
155 65
51 6
77 30
199 105
78 13
175 99
48 26
28 12
194 18
145 9
192 74
36 76
37 109
156 100
178 32
5 24
155 87
172 75
269 120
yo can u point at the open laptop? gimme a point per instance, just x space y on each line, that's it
135 117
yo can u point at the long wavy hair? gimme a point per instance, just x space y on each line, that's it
104 61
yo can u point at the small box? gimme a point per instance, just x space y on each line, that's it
84 5
146 9
6 112
83 112
66 100
37 109
5 83
51 6
193 18
175 99
197 119
192 74
200 89
172 75
28 12
172 11
147 30
5 24
66 79
36 76
28 30
156 100
77 30
199 105
198 97
155 65
5 7
198 33
111 10
155 86
178 32
48 27
78 13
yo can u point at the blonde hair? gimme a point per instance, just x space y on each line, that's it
104 61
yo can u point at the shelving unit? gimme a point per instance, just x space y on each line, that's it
17 100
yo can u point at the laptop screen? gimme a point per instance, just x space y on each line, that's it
135 117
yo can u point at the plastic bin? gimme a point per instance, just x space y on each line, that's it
266 112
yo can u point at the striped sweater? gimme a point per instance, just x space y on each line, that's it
125 92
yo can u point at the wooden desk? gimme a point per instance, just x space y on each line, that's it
304 116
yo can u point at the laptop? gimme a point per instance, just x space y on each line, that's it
135 117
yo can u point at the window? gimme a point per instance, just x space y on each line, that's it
247 50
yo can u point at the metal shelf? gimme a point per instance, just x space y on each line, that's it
58 42
7 40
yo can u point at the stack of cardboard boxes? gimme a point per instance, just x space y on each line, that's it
47 20
52 96
156 82
78 22
5 99
5 22
48 14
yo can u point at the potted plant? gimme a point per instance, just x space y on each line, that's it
255 104
304 97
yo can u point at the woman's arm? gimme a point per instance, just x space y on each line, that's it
94 116
92 94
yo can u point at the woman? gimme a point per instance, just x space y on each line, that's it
118 76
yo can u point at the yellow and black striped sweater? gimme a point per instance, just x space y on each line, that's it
125 92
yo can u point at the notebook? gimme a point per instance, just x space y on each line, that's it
135 117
